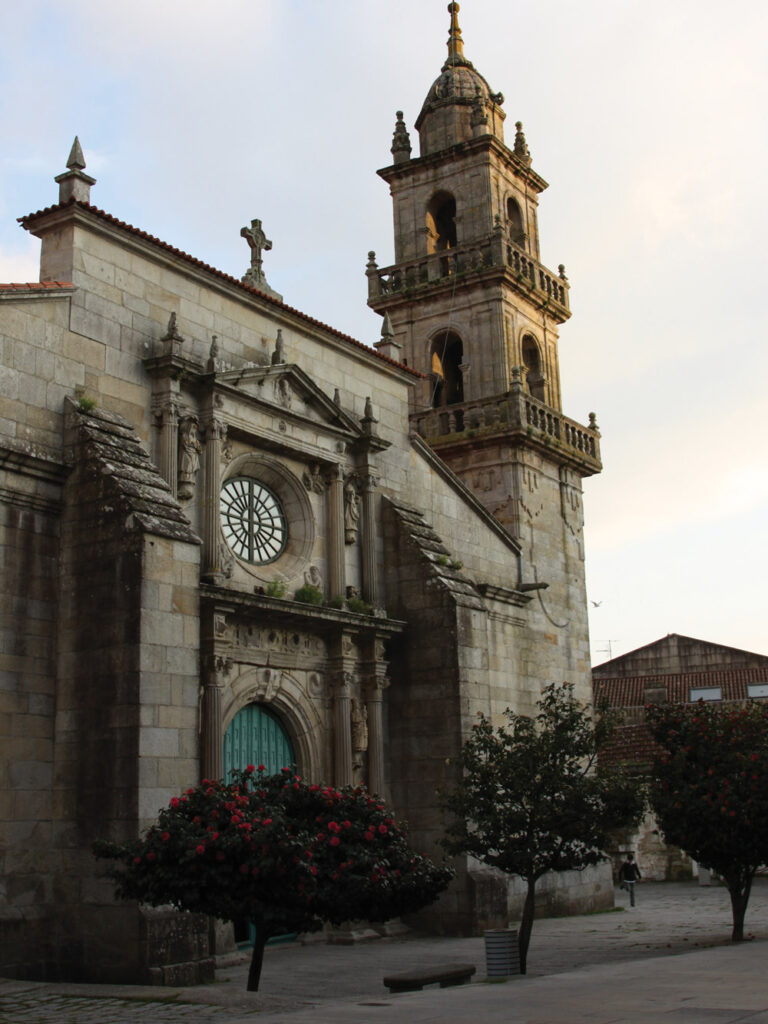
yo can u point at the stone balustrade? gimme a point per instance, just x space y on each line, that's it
515 411
464 260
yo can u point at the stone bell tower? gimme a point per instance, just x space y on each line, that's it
469 303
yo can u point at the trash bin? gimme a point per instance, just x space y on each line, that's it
502 953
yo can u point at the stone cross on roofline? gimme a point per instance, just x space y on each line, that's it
258 242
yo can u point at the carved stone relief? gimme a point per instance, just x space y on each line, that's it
312 479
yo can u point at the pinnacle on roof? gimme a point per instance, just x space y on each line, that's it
74 183
76 161
455 42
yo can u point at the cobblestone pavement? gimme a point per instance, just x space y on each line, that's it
668 919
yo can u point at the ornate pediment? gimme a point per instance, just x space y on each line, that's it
288 391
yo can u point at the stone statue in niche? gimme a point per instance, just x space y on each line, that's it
359 725
189 457
351 510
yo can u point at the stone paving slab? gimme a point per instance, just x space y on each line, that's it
622 967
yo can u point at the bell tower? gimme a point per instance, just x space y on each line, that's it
469 303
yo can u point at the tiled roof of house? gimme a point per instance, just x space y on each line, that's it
630 744
629 691
35 286
30 219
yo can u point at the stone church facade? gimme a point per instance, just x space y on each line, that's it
231 533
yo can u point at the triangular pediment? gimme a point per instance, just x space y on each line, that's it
287 389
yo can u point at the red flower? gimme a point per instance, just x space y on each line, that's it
151 856
368 836
335 841
254 871
262 768
251 768
199 850
175 801
383 829
165 836
137 860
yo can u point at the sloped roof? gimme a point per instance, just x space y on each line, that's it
29 220
111 450
629 691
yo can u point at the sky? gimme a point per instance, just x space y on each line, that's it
647 118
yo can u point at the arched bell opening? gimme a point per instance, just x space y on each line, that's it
446 358
515 223
534 378
441 222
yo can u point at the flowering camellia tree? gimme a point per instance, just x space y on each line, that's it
709 789
533 799
284 854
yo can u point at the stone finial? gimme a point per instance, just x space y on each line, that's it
387 345
74 183
372 273
76 161
455 42
337 398
561 272
401 141
516 377
593 421
279 355
478 119
369 420
520 148
172 339
214 362
259 243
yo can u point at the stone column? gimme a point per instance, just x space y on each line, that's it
211 563
376 684
211 763
336 576
342 727
369 573
167 417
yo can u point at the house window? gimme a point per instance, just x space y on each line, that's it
252 520
757 690
706 693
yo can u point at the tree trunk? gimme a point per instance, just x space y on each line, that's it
526 924
739 892
257 956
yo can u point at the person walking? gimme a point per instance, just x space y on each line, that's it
629 873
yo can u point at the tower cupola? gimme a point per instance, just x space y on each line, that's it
449 115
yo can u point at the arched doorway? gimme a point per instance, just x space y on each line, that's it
256 736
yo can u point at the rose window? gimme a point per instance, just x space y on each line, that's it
252 520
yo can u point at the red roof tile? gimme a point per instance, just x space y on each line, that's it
30 218
35 286
629 691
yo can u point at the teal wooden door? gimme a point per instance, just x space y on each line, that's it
256 736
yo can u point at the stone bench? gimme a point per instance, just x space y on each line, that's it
444 974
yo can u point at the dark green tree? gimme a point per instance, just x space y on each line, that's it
284 854
533 797
709 786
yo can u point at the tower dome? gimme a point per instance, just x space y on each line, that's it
460 104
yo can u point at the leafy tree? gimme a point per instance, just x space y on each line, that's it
709 786
533 798
283 853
